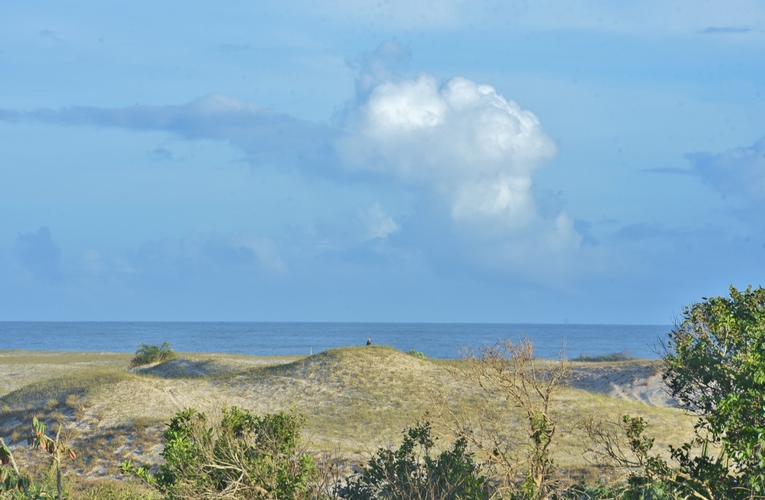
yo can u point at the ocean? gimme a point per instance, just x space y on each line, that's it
435 340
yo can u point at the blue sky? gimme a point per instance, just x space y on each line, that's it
392 160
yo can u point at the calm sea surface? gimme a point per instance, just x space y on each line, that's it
436 340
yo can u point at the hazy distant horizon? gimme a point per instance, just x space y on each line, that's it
442 340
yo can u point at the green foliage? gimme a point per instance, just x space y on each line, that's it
417 354
19 486
648 480
604 358
147 354
245 456
693 475
651 476
34 491
410 472
10 479
716 368
39 439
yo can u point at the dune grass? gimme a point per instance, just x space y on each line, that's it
79 384
21 357
21 368
604 358
356 399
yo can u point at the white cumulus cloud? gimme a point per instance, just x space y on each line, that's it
473 148
420 131
463 139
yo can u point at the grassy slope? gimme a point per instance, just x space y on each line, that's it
355 399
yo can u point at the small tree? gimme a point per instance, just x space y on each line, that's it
511 380
716 369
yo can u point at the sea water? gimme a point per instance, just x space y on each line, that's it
435 340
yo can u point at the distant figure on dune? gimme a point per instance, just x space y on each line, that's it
369 341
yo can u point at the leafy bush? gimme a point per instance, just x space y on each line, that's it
245 456
410 472
151 354
716 369
417 354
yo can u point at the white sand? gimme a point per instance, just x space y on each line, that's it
634 381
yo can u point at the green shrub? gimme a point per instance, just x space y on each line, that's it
716 369
411 472
417 354
245 456
151 354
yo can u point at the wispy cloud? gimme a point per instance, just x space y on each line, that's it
264 136
680 17
644 231
669 170
237 253
160 154
378 224
739 171
51 35
8 115
724 30
235 47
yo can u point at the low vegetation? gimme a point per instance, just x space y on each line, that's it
147 354
612 357
416 354
509 426
244 456
411 471
18 484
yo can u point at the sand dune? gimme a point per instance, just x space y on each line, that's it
633 381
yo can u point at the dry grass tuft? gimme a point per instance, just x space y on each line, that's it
54 391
